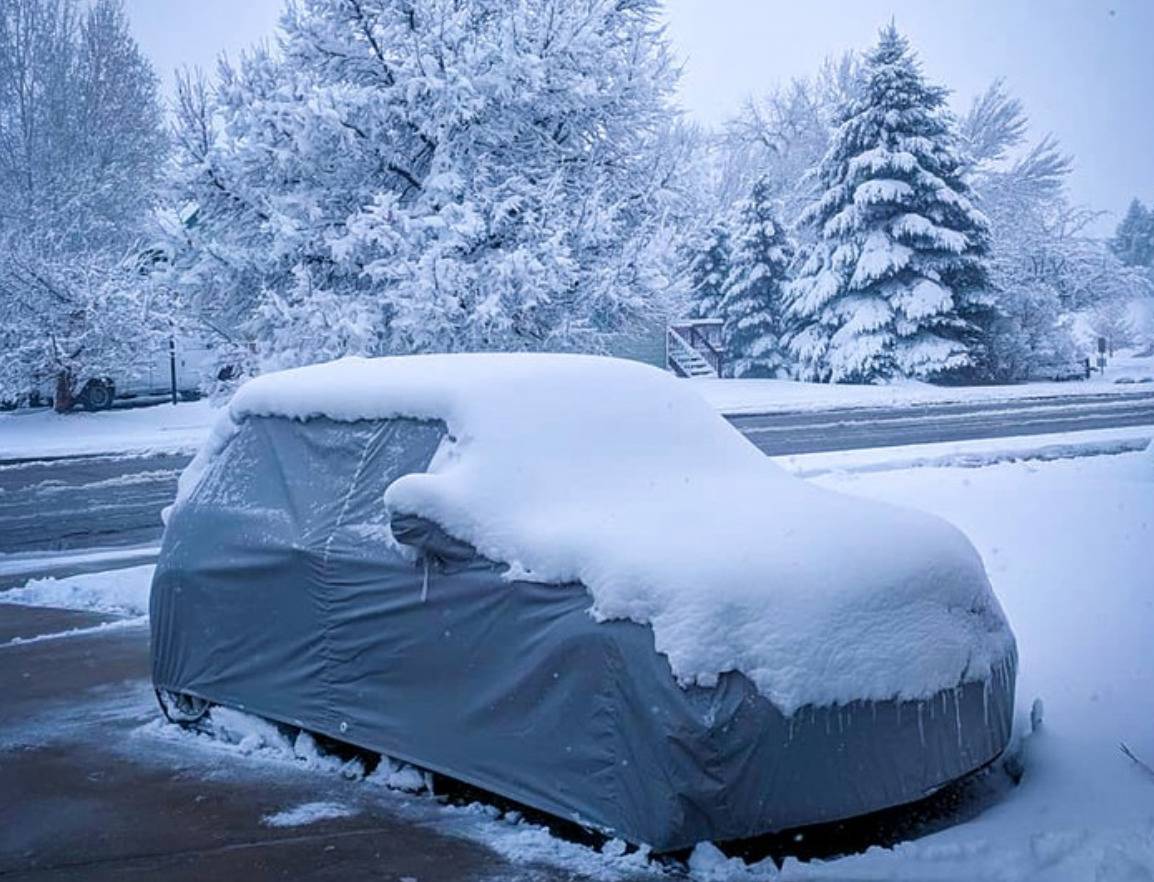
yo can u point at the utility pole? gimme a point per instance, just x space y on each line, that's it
172 365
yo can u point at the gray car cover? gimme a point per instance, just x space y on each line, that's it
281 590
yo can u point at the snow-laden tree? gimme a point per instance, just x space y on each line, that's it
753 305
81 148
709 264
1044 268
778 138
408 175
896 283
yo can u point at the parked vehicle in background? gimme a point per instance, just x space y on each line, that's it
179 365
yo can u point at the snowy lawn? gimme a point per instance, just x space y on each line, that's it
163 428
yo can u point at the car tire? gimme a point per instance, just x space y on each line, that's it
97 395
180 708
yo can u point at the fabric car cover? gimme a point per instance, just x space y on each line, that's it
281 590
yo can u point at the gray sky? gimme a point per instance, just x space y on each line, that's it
1084 68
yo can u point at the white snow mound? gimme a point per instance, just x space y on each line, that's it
611 473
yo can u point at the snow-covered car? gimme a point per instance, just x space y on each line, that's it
568 581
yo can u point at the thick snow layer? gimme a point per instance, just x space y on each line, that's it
121 592
616 475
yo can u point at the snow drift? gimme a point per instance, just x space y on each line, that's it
615 475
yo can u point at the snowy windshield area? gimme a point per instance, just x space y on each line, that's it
616 475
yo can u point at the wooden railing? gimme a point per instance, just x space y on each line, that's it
703 336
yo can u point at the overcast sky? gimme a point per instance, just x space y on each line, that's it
1084 68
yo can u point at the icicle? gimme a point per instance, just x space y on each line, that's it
921 725
425 585
958 716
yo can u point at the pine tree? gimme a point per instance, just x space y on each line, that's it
895 284
1133 241
708 270
753 304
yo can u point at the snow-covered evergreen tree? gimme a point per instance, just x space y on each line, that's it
708 271
412 175
896 284
752 305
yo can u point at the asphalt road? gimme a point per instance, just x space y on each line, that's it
60 504
101 501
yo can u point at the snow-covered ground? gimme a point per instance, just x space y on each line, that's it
1067 544
163 428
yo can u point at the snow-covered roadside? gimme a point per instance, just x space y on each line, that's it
972 454
118 592
159 429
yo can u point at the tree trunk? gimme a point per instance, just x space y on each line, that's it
63 400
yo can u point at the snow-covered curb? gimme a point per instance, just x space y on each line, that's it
34 562
117 592
163 428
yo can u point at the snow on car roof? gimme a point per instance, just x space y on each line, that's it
614 474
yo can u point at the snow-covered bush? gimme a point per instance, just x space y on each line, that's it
1045 269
